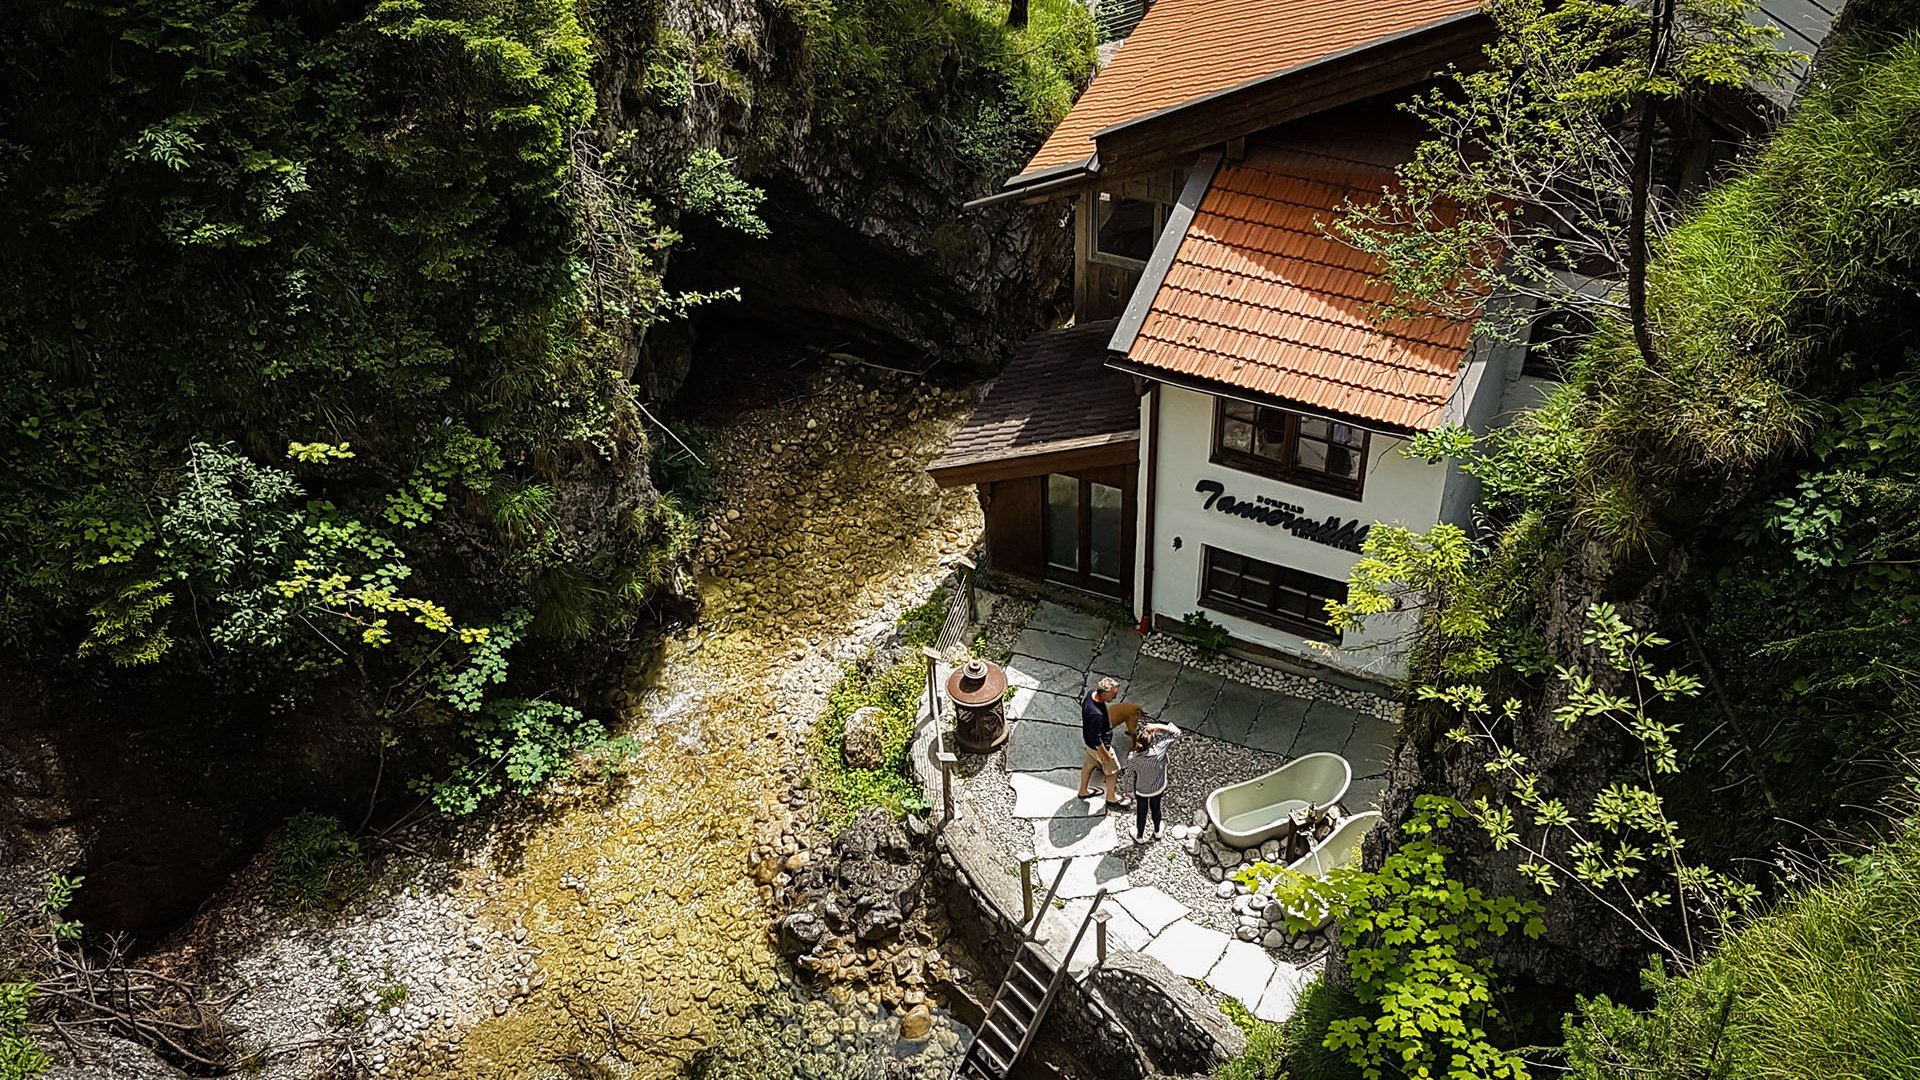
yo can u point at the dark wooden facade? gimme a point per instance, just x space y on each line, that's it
1017 539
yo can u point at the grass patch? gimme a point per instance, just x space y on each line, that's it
313 865
845 791
1293 1050
1826 985
920 624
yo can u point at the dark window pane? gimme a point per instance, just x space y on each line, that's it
1348 435
1063 522
1236 435
1313 427
1271 443
1126 228
1343 462
1313 455
1104 558
1239 410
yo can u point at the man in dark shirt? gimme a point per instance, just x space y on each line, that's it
1096 730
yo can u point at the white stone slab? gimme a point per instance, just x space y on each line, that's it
1038 674
1087 875
1123 930
1242 972
1052 794
1188 949
1035 747
1282 994
1151 907
1056 838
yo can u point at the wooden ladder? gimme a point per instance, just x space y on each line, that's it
1024 996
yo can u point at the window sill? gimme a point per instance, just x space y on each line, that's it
1270 620
1254 467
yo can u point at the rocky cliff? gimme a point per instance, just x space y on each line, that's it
869 249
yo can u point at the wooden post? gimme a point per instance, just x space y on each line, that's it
947 759
1026 888
1100 936
967 573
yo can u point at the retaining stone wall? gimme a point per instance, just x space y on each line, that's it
1130 1020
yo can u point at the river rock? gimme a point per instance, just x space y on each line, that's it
876 923
800 931
861 747
917 1024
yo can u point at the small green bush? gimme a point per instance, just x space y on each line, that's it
1295 1049
1208 638
20 1059
313 865
920 625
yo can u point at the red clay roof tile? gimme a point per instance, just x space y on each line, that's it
1259 297
1185 49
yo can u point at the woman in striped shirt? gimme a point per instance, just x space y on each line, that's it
1148 764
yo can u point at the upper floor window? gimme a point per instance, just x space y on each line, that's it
1127 220
1311 451
1126 228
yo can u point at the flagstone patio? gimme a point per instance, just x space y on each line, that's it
1160 901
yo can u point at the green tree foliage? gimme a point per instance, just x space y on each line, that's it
1412 936
20 1059
230 223
308 321
892 70
1543 162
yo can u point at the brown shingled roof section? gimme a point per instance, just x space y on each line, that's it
1259 298
1184 49
1056 392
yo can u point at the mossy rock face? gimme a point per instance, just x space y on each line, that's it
863 744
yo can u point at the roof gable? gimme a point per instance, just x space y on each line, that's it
1259 298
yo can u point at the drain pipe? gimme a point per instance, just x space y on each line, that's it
1151 450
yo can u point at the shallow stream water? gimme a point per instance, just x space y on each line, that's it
651 934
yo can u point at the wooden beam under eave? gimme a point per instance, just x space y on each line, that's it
1118 452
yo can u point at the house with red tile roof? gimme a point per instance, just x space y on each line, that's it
1206 164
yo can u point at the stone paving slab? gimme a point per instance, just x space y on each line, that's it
1188 949
1030 704
1277 728
1084 877
1123 930
1372 740
1327 727
1056 619
1242 973
1059 837
1282 994
1151 907
1054 793
1192 699
1364 794
1073 652
1151 685
1037 747
1235 711
1118 654
1036 673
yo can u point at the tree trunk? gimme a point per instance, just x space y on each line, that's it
1637 247
1017 13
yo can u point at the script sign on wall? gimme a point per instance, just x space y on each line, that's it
1335 532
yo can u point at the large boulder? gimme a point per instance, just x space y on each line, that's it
862 746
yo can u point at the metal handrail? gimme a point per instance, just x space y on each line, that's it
1059 976
1040 913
